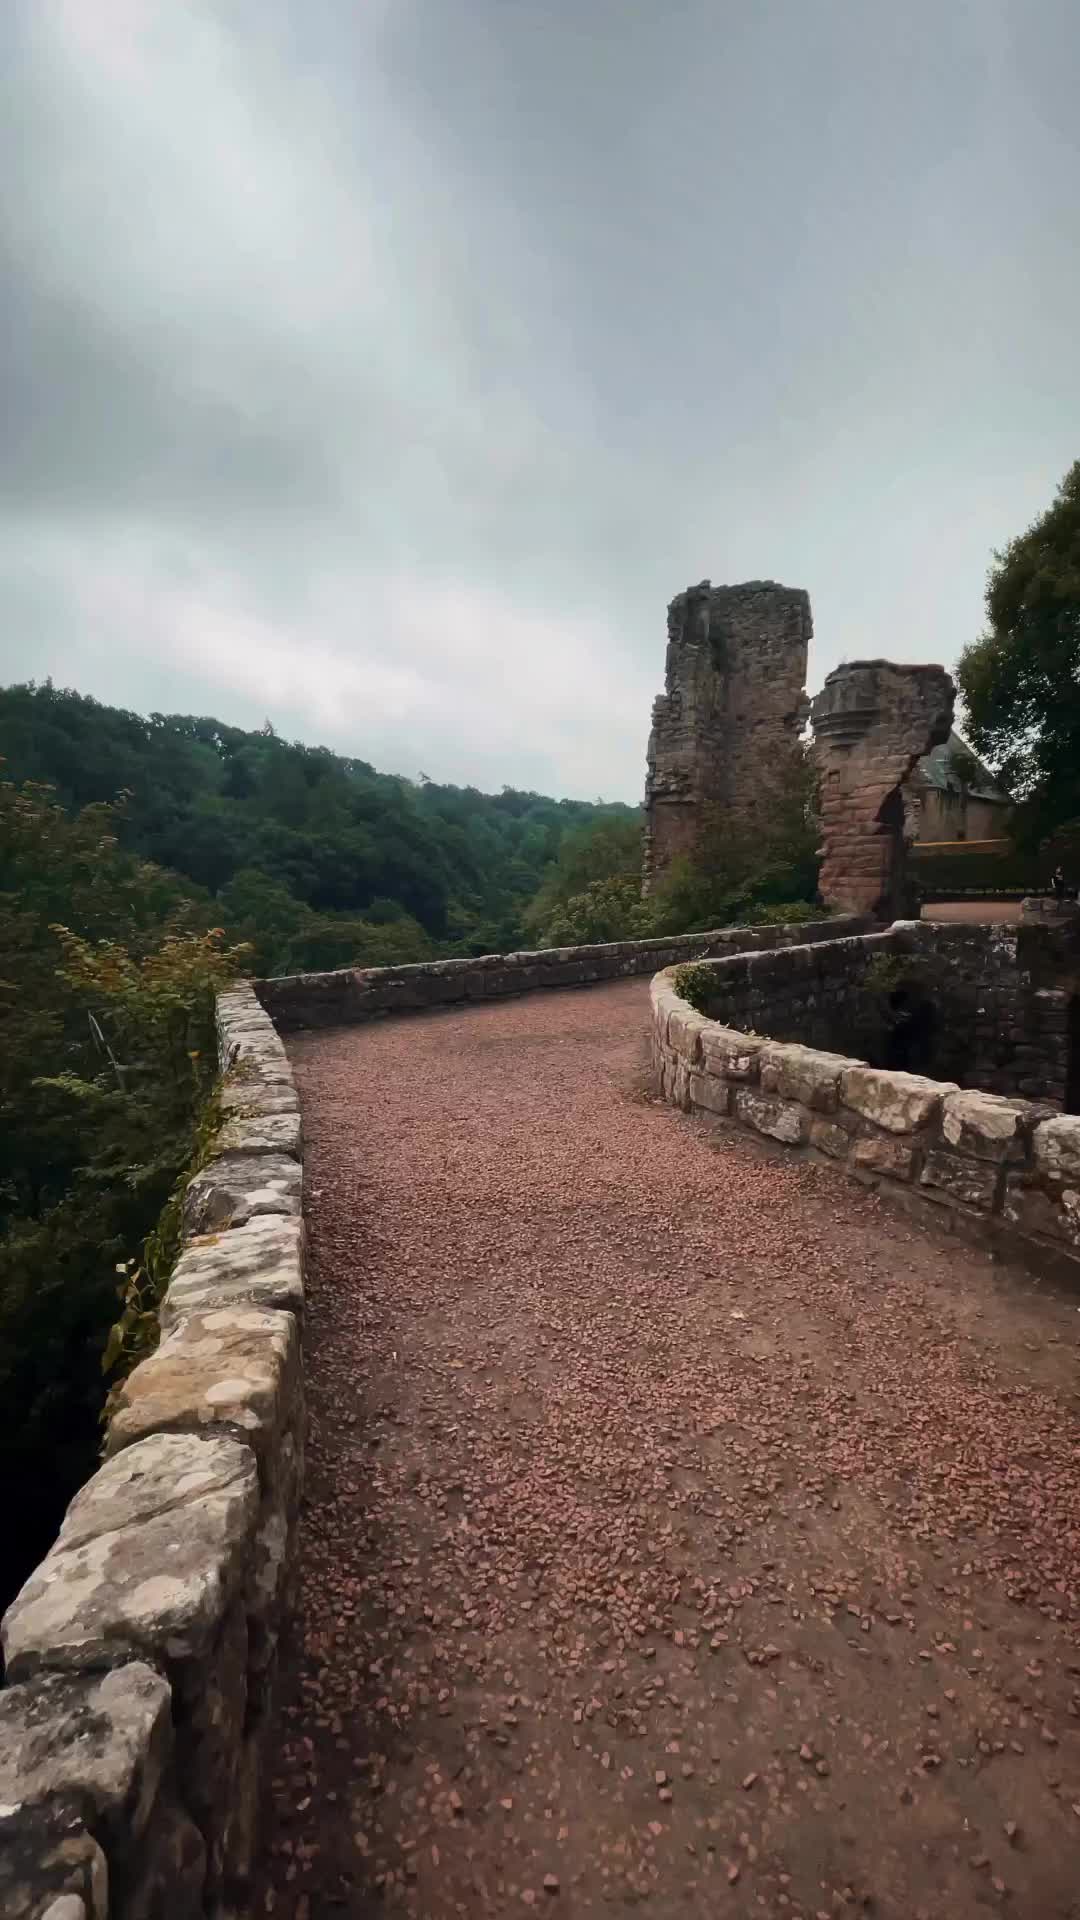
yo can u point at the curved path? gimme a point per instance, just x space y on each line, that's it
683 1527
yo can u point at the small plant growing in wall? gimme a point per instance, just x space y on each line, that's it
696 984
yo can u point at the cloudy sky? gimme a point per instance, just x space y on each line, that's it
382 367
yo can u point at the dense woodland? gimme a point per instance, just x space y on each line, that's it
142 863
316 859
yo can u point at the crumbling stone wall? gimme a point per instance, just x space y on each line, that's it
1000 1169
872 721
140 1655
725 729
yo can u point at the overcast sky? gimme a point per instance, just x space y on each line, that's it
383 367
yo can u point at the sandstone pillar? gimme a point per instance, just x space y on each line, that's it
872 721
725 730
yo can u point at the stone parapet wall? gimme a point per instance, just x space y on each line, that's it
351 994
140 1655
998 1169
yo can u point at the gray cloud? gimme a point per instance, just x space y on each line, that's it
387 369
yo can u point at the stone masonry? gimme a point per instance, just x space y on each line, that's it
140 1655
872 721
999 1168
726 727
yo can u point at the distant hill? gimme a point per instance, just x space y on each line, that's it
314 856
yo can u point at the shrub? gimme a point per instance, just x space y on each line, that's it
696 984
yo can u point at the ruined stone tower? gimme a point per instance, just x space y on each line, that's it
872 720
725 729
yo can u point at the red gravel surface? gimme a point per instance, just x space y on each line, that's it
683 1527
985 913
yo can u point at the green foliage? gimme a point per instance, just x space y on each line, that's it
739 876
106 1054
311 856
142 1288
789 913
696 984
1021 679
604 854
606 910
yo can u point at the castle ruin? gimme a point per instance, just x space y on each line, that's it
726 727
726 736
872 721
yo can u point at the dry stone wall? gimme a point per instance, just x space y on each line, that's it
140 1655
351 994
725 729
1000 1169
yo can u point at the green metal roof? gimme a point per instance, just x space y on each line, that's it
936 770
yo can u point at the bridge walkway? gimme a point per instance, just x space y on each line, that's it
683 1528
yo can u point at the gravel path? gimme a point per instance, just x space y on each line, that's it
683 1528
978 913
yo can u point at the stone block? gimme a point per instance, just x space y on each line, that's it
50 1868
259 1264
1032 1210
146 1563
1056 1146
829 1138
211 1701
710 1093
974 1182
235 1187
893 1155
99 1743
732 1054
276 1133
250 1098
234 1368
900 1102
986 1125
169 1880
803 1073
274 1540
685 1028
260 1053
665 1003
780 1119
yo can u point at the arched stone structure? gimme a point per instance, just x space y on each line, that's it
873 720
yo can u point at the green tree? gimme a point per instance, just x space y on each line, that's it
598 853
327 835
606 910
740 876
1021 679
106 1053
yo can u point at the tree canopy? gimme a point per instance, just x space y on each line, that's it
1021 679
313 857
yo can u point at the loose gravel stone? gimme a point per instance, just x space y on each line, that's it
627 1439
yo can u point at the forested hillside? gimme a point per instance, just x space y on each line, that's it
314 858
143 862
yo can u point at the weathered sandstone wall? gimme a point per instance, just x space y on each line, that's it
725 729
872 721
